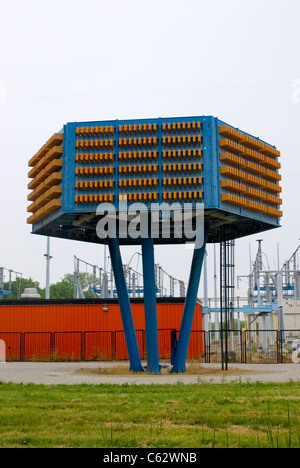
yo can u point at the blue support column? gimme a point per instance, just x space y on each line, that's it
150 306
189 308
130 335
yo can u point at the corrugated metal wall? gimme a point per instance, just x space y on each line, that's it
84 331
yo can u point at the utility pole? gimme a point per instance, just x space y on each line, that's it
48 259
1 280
217 335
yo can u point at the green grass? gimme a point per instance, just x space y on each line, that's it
231 415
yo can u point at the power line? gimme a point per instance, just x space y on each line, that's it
158 91
282 130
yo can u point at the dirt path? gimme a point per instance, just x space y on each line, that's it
118 373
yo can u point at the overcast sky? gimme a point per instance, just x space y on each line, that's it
70 60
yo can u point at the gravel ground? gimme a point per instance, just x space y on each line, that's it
117 373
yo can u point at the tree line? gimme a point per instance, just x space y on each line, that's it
63 289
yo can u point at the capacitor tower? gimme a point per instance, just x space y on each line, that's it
187 160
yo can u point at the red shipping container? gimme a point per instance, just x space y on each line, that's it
13 345
98 346
37 346
89 329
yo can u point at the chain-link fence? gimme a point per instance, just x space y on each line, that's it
230 346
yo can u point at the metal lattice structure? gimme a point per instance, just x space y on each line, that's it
195 160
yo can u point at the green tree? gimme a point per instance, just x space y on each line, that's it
61 290
19 285
64 289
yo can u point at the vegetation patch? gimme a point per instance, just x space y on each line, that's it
233 415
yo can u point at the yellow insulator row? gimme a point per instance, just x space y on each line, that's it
231 133
49 195
140 197
138 156
43 212
253 155
55 140
94 171
95 158
182 181
182 196
95 131
267 163
94 144
270 151
250 192
233 186
54 153
254 168
94 185
182 154
231 146
181 127
138 183
247 140
273 188
231 159
273 176
137 128
92 199
250 205
53 179
182 168
53 166
141 169
251 179
138 142
190 140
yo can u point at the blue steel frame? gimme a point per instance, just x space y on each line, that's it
126 313
58 223
61 223
210 157
189 307
150 306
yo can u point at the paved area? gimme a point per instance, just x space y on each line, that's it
117 373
